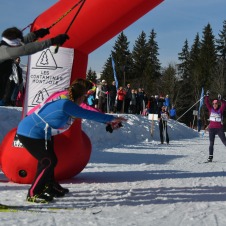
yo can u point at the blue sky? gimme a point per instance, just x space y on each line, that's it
174 21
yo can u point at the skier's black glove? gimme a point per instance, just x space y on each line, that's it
60 39
109 128
41 32
219 97
207 93
113 126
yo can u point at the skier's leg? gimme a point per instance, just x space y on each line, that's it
161 131
222 135
46 163
55 189
164 131
211 139
167 136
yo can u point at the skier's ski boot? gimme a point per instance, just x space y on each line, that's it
56 190
210 159
41 198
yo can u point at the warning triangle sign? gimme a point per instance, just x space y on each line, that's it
46 60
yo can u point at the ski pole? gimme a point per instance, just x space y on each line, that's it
190 108
152 125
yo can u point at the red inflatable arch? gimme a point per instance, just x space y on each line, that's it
97 22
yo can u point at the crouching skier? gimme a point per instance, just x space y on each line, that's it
35 133
216 121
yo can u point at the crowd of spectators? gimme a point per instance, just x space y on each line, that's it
128 100
106 98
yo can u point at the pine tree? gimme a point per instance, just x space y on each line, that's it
195 75
185 93
91 75
153 54
169 83
220 71
208 57
107 72
184 57
140 57
153 66
195 70
123 60
221 43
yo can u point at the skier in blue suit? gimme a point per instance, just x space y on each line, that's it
35 133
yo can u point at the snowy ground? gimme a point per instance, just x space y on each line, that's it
131 180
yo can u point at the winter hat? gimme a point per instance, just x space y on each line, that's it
12 36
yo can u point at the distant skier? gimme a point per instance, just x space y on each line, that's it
216 121
163 116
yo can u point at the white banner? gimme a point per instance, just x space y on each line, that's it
47 73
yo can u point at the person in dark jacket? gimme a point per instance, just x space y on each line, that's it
14 44
133 102
35 132
128 98
140 101
13 85
112 96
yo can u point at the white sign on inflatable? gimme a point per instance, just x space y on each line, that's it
47 73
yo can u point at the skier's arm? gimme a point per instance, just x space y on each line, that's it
207 103
223 105
7 52
76 111
30 37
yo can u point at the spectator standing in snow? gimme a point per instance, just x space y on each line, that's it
167 102
121 93
133 102
13 84
173 113
127 98
112 96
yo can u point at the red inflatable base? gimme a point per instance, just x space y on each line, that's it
73 155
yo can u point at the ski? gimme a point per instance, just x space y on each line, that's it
39 209
33 208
